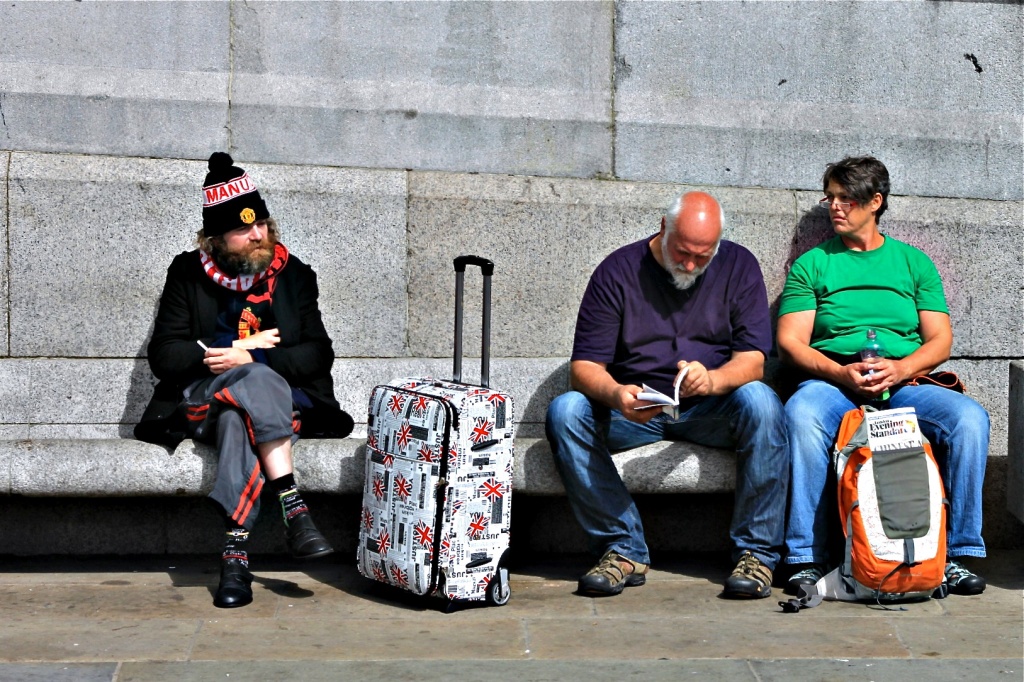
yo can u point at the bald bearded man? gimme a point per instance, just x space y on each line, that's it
686 304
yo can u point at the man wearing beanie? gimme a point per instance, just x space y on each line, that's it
244 364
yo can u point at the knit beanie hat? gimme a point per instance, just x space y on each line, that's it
230 199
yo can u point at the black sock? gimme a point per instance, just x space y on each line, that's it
288 494
234 544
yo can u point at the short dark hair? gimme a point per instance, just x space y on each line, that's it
862 177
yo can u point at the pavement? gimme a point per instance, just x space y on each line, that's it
151 618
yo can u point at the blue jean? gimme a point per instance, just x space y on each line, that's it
750 420
956 426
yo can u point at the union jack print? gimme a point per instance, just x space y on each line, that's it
403 435
389 460
477 526
481 430
453 456
398 576
420 405
367 519
396 403
402 487
383 541
378 486
426 454
379 573
371 440
423 534
483 583
477 391
496 398
446 545
412 383
492 489
457 505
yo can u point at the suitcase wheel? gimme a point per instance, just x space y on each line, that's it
499 590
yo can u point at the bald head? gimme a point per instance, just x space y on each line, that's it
696 218
689 237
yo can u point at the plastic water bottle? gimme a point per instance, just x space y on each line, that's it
873 349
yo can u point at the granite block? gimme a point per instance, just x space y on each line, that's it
5 347
1015 447
99 468
986 382
661 467
532 382
545 237
976 246
140 79
349 225
332 218
757 94
97 299
488 87
76 393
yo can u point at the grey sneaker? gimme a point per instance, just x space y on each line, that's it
751 579
612 574
809 575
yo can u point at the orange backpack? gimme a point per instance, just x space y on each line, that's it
892 506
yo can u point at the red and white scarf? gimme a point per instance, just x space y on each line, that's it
244 282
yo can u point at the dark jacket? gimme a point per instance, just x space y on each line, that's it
188 311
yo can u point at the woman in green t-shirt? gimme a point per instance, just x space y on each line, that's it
857 281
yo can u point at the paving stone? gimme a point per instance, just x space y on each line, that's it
57 672
703 636
425 85
705 99
886 670
358 639
969 637
84 639
484 671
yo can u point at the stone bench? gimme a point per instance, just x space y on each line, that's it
127 468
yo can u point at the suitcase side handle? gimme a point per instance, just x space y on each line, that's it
487 268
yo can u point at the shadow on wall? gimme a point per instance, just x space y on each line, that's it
140 387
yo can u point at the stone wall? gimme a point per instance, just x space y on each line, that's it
389 137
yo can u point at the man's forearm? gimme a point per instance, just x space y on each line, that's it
739 370
593 380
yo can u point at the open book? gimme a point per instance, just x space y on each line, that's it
668 404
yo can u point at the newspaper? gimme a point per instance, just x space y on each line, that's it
896 429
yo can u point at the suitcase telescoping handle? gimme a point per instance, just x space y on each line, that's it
487 267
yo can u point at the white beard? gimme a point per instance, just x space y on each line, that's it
680 277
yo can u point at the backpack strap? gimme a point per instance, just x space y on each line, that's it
805 599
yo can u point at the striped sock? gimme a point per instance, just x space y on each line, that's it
288 495
234 545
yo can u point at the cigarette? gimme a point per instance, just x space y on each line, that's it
202 345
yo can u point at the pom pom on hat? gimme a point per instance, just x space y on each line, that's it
230 198
220 161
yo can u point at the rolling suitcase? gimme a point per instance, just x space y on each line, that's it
438 488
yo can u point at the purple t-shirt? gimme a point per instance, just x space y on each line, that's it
633 319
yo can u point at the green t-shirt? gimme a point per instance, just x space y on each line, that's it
853 291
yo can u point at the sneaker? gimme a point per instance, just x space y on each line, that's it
809 575
751 579
961 581
612 574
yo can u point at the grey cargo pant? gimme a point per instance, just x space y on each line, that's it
235 411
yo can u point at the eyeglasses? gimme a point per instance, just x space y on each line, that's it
844 206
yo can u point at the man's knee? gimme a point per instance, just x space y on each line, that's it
758 401
567 411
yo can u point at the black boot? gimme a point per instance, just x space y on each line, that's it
304 540
235 587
